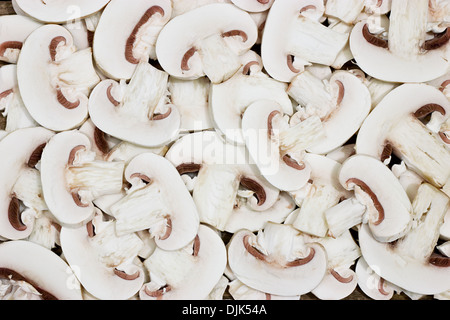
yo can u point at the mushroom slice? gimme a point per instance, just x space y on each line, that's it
192 44
277 260
126 35
228 100
72 177
14 30
136 112
253 5
17 115
395 126
340 280
322 192
240 291
21 183
23 262
203 262
55 79
371 283
407 55
389 210
346 12
157 200
105 262
59 11
278 148
341 99
225 180
410 262
305 39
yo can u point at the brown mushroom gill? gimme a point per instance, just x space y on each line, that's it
196 246
126 276
438 41
100 141
246 69
14 215
36 156
340 278
365 188
157 293
440 261
372 39
161 116
64 102
54 46
168 230
6 273
186 57
234 33
254 186
74 193
110 96
15 45
129 56
188 168
290 63
291 162
6 93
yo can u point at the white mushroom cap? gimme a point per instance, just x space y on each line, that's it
277 260
127 33
54 80
19 149
14 29
188 273
61 10
189 45
44 270
388 206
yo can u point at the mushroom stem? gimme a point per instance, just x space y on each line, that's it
303 135
343 216
366 189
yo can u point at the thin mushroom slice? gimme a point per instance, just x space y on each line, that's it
371 283
106 262
55 79
60 11
389 210
136 112
157 201
126 35
14 30
21 183
71 179
277 260
219 29
24 262
204 260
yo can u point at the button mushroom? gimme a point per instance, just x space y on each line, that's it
217 34
54 79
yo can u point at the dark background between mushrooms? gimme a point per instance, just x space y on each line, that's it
6 8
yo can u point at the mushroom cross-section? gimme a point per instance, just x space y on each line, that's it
14 29
59 11
106 264
188 273
72 177
157 201
277 260
21 191
407 55
54 79
388 208
293 38
276 146
411 262
207 41
225 184
49 275
397 126
136 112
126 35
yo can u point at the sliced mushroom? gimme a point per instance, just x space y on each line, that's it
60 11
221 169
48 274
345 11
277 260
105 262
240 291
54 79
191 44
136 112
229 100
14 30
72 177
202 263
158 201
388 208
305 39
126 35
17 115
341 99
21 183
410 262
399 130
407 56
371 283
253 5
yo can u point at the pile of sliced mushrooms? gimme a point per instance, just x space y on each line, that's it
225 149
